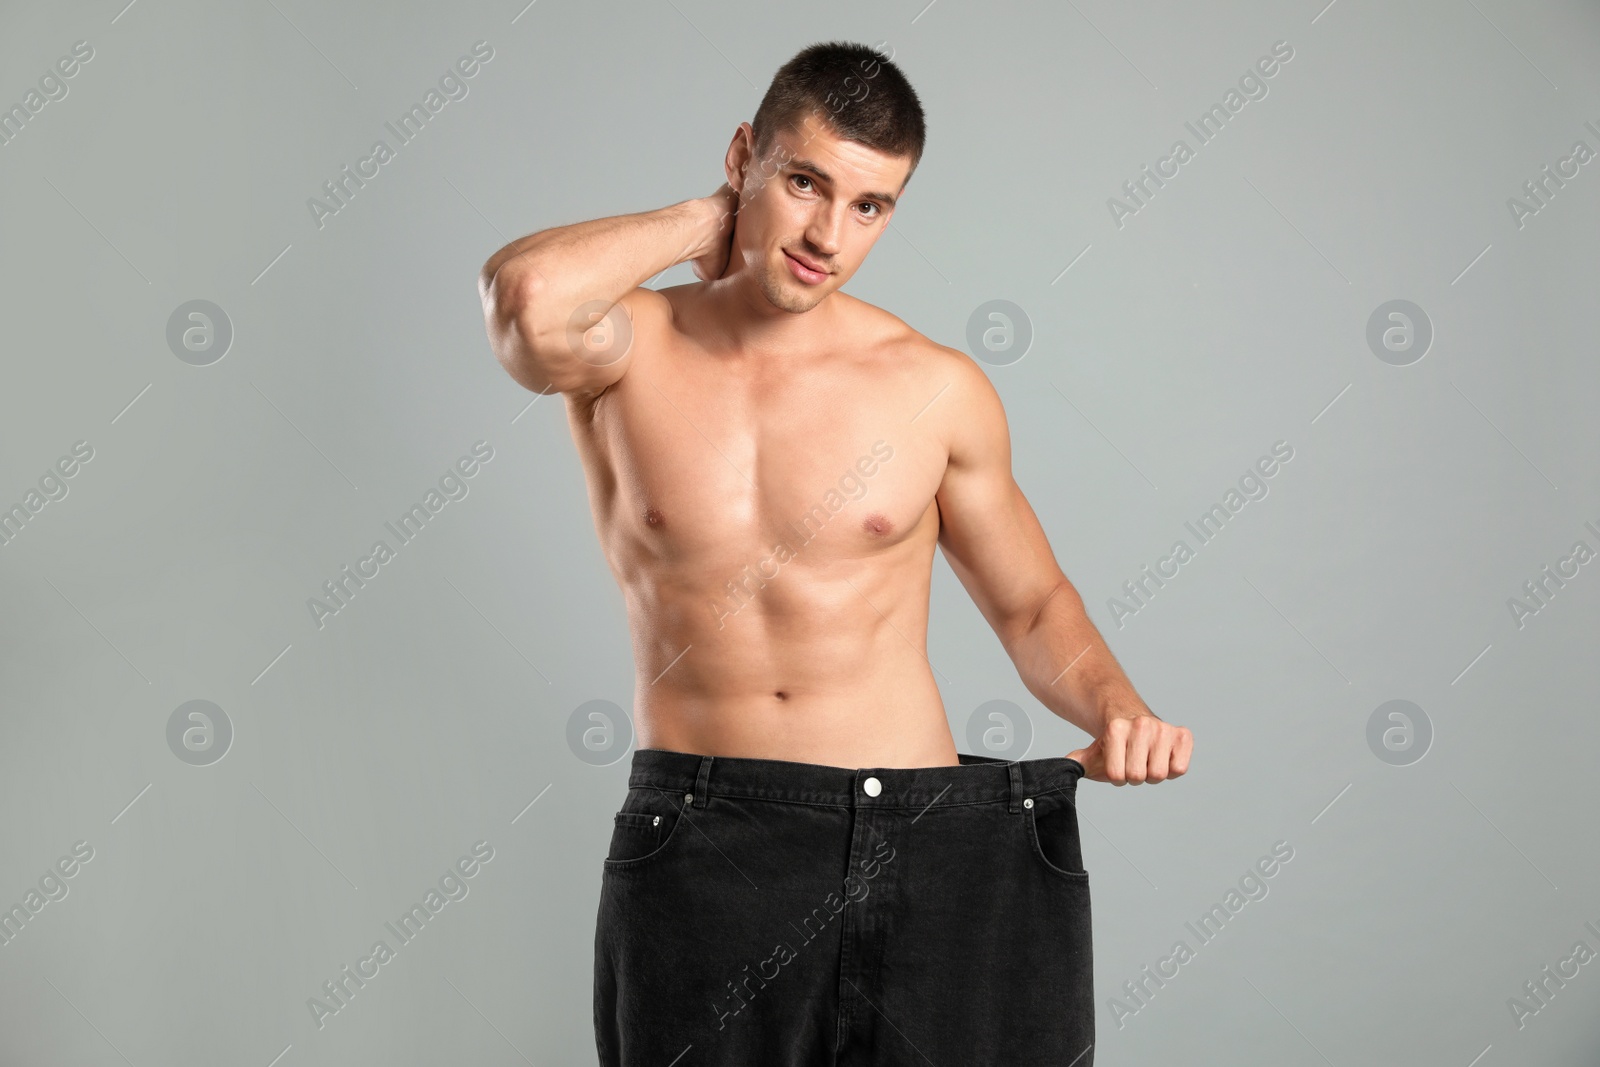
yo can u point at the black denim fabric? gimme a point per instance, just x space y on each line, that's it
767 913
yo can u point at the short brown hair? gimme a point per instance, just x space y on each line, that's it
857 92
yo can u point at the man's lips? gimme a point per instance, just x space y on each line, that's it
806 263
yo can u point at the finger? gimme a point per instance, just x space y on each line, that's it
1161 754
1115 753
1141 732
1090 758
1181 751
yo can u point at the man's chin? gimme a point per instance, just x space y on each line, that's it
789 295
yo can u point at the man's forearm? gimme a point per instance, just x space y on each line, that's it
1068 666
600 260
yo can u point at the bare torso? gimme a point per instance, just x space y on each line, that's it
771 520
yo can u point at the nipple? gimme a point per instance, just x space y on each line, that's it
653 516
877 523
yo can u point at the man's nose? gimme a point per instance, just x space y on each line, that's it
823 233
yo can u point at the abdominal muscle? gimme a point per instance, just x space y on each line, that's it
810 668
700 462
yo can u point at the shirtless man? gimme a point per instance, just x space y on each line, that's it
770 464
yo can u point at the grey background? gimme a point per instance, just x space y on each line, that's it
433 712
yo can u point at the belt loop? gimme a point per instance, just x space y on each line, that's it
702 782
1016 786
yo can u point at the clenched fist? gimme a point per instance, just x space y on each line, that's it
1136 748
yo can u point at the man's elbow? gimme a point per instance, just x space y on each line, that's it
510 310
508 287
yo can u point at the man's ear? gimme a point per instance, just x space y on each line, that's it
741 151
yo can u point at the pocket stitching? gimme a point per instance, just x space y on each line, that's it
636 861
1038 850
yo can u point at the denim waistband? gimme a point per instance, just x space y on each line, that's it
977 780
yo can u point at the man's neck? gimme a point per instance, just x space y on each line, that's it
733 313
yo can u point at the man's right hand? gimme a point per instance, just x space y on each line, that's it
724 204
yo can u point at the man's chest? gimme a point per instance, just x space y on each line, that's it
703 464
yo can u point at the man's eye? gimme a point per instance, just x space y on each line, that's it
800 178
875 210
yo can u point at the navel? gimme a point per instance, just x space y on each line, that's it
877 523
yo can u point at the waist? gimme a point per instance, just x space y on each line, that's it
975 780
887 718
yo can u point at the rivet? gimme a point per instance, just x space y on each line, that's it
1028 803
657 821
688 798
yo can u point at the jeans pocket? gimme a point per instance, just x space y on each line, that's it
638 837
1053 831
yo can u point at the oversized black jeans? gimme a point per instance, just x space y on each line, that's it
767 913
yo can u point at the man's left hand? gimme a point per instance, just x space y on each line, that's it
1136 748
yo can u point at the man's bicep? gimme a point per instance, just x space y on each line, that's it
604 341
989 532
582 350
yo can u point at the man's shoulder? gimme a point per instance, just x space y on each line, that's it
653 305
963 406
887 332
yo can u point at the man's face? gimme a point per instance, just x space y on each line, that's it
814 200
